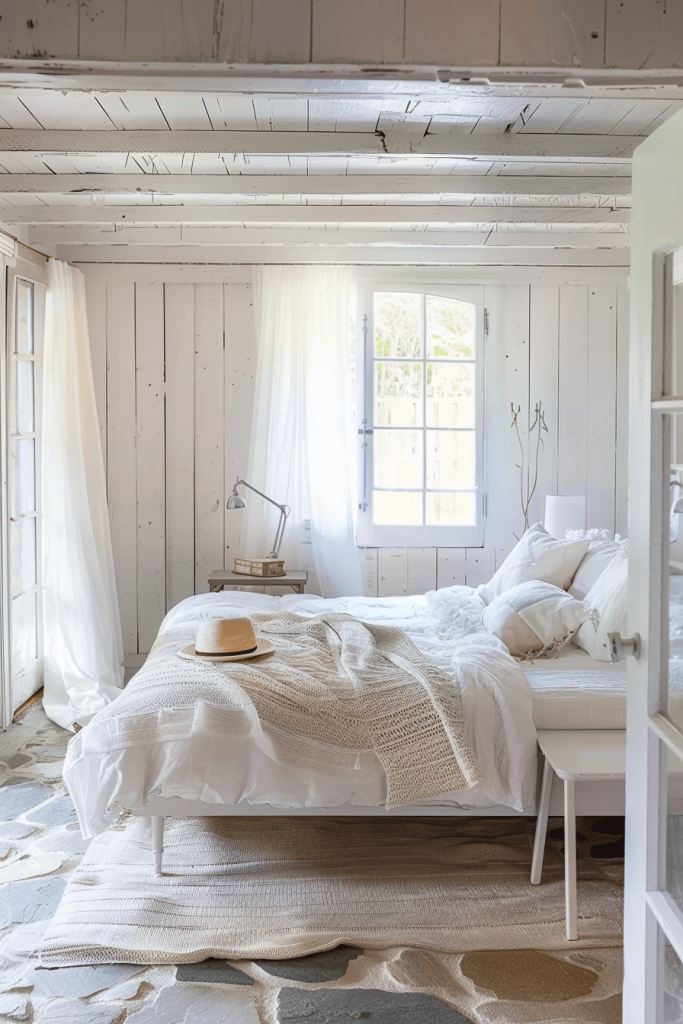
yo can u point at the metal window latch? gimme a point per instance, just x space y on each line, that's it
620 647
361 431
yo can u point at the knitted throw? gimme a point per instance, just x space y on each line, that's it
339 697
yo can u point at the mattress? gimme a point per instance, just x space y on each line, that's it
574 692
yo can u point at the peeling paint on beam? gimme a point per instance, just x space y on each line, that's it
333 214
310 184
391 142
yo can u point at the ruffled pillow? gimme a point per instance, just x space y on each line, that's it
537 556
534 618
607 602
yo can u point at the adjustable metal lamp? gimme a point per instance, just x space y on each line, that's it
257 567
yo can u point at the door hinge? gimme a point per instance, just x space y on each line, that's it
486 321
486 505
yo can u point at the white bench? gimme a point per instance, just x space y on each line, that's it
574 755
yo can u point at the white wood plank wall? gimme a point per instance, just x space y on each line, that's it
174 364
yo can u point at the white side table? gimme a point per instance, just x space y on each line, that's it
574 755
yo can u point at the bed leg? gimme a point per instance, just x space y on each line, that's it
541 824
570 856
157 842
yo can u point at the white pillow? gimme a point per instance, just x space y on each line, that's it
533 616
538 556
599 555
606 602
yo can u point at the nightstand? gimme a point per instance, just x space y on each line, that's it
294 578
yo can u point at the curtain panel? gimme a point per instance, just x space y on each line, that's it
302 433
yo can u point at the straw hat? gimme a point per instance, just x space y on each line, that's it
226 640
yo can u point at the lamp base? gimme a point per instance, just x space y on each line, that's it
260 566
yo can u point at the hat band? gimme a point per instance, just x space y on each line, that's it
217 654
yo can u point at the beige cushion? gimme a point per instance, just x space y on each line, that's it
606 602
599 555
537 556
533 616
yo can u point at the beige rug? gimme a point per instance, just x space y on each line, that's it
240 888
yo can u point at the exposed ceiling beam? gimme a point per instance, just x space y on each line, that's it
413 185
286 236
338 214
395 141
224 255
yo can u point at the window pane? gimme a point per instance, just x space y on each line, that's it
23 555
451 459
673 985
451 509
23 477
398 458
398 394
450 328
23 339
397 508
24 418
24 632
398 324
450 395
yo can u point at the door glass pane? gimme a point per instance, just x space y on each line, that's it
451 459
398 458
450 328
451 509
23 477
24 415
24 631
398 394
398 324
23 554
23 338
673 986
450 395
397 508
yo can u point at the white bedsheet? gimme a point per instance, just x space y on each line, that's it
497 711
574 692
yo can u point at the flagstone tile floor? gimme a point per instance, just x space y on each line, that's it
40 844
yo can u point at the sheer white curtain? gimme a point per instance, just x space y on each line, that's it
302 434
81 627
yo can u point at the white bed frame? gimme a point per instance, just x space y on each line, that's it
603 797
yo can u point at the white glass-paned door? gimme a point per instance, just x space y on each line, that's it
23 414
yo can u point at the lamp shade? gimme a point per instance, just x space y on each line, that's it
564 512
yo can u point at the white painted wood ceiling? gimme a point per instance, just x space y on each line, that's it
431 174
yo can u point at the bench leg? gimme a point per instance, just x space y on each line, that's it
570 856
157 842
541 824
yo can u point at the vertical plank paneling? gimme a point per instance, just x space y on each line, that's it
479 566
180 560
421 570
543 388
392 572
516 368
121 452
368 564
450 567
96 306
209 443
573 391
621 482
601 406
150 470
241 353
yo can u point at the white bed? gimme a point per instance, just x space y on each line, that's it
206 777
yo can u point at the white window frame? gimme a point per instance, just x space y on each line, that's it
32 678
369 534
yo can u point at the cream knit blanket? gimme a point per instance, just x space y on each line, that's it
339 697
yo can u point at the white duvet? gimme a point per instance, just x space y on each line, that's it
495 696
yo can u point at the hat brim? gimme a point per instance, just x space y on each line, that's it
262 647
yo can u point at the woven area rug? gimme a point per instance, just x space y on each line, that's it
240 888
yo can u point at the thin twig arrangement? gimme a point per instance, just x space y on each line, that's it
527 485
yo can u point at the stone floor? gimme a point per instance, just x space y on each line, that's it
40 844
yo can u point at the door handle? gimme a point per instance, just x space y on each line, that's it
620 646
